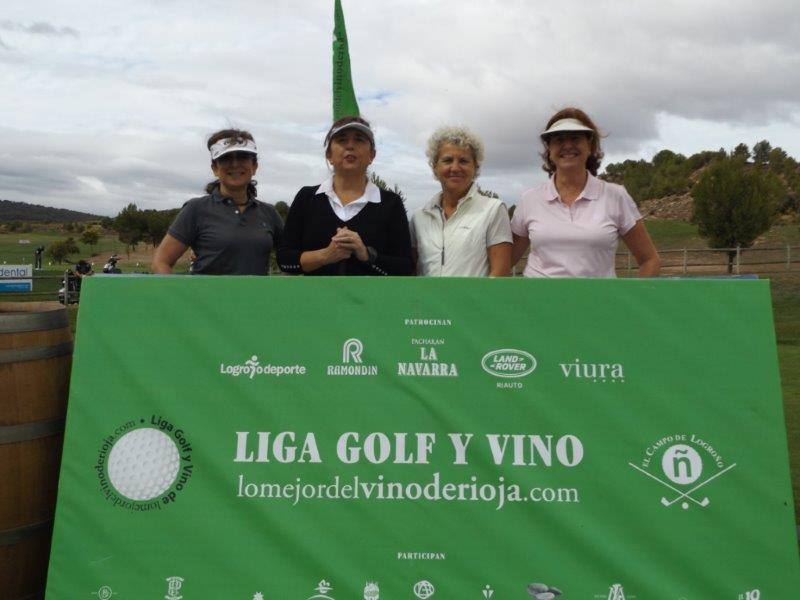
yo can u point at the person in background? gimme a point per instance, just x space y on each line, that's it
572 222
460 232
229 231
346 225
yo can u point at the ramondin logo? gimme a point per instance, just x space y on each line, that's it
351 351
143 465
683 464
352 363
508 363
252 367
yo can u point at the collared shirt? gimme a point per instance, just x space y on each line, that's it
457 247
578 240
228 241
347 211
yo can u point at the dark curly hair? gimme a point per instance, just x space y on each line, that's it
596 152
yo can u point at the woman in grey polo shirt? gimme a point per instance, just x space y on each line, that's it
460 232
229 231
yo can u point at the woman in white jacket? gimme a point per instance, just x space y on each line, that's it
460 232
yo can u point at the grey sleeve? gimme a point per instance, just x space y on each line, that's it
184 227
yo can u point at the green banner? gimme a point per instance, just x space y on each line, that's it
344 97
400 438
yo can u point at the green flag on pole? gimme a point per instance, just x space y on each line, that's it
344 97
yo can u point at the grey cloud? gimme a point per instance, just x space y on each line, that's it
39 28
141 94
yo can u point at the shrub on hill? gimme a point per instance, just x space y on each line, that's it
734 204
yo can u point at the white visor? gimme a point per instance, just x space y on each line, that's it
564 125
352 125
233 145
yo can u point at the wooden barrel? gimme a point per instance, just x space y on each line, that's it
35 361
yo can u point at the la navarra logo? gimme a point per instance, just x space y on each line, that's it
144 464
683 465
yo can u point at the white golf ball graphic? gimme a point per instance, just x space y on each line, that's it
143 464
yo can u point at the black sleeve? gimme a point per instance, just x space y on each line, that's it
395 256
184 227
290 246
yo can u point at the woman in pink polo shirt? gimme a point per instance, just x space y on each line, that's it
572 223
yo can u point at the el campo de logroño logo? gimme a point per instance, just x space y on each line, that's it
684 464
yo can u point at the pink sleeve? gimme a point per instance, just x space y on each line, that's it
519 222
628 213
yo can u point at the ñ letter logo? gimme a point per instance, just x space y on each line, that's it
351 351
682 464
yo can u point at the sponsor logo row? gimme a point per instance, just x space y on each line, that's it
422 589
431 360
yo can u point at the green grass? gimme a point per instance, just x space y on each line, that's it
674 234
671 235
12 252
786 311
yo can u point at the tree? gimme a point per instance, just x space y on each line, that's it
282 208
741 151
777 159
761 152
131 227
734 204
381 183
488 193
60 250
90 237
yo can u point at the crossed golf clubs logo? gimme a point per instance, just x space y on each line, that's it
683 465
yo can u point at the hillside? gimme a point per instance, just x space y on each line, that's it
663 186
22 211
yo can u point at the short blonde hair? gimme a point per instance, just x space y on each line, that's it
458 136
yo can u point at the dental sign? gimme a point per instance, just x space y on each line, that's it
16 278
406 438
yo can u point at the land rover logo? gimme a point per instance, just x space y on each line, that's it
508 362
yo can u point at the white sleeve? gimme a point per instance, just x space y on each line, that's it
498 230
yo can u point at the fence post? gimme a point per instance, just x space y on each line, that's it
629 263
66 288
738 259
685 261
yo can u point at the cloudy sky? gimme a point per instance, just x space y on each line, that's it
108 102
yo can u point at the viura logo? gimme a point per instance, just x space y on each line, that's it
508 363
593 372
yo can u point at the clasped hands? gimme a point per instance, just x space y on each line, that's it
344 244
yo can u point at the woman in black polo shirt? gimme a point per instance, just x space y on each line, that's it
346 226
229 231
